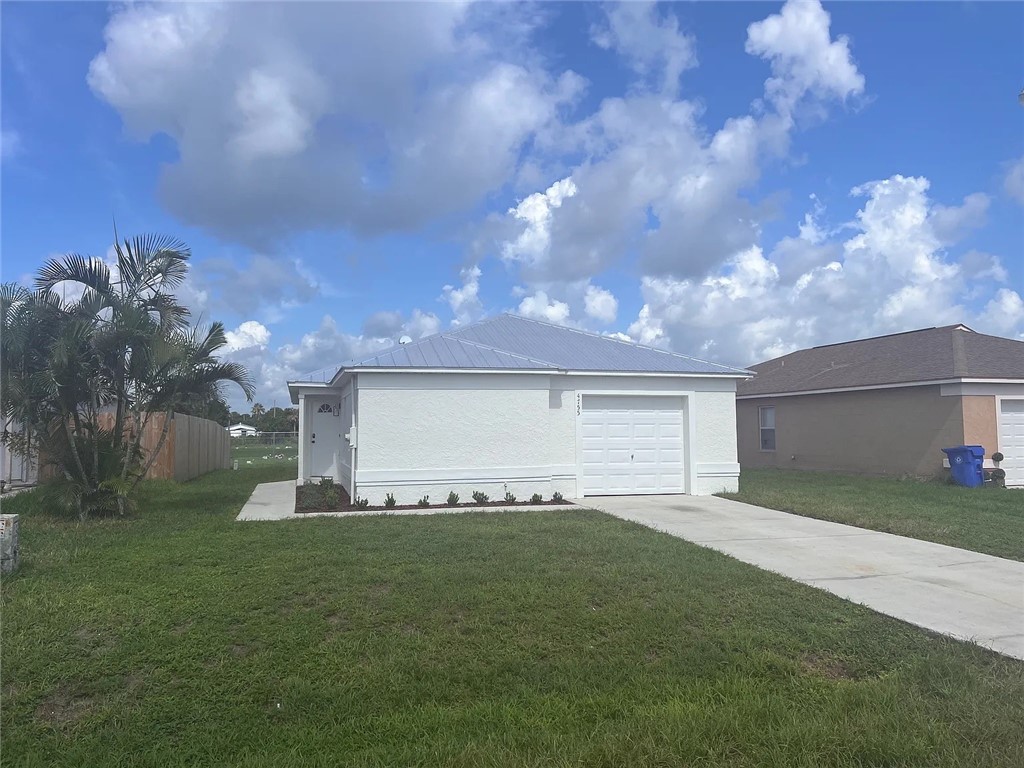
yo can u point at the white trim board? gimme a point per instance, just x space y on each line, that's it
898 385
477 475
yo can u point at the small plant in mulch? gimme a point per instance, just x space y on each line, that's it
557 497
330 497
322 496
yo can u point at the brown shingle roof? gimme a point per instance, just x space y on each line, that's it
930 354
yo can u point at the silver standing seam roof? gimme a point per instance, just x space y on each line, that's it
518 343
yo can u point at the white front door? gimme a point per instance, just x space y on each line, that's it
632 444
324 438
1011 440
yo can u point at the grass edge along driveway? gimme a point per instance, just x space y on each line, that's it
988 519
180 637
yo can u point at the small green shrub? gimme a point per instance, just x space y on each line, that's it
361 503
424 502
536 498
326 482
510 497
389 500
556 496
453 499
331 497
480 497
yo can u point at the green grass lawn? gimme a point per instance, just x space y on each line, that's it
987 519
253 454
181 638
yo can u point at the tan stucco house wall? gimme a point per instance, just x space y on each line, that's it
892 431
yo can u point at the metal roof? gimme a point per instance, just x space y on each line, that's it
443 350
513 342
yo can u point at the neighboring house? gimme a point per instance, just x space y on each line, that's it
15 468
887 405
524 406
242 430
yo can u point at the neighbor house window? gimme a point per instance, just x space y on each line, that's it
767 418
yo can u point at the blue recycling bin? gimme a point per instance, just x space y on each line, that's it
965 465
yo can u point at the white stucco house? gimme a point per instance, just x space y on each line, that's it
515 404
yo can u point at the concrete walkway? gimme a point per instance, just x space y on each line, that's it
957 592
276 501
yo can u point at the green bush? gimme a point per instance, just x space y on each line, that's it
556 496
510 497
389 500
536 498
361 503
453 499
424 502
480 497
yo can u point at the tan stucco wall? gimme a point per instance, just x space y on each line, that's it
980 422
883 431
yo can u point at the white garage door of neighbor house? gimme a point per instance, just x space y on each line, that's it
632 444
1011 440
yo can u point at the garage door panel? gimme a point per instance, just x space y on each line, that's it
632 444
1011 440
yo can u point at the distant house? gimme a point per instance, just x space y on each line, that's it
887 405
15 468
242 430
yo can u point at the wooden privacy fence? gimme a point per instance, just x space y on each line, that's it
193 446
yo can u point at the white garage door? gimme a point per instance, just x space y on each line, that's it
1011 440
632 444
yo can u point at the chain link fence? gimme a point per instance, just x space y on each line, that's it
265 448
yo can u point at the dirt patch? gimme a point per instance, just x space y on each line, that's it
64 707
339 621
240 650
380 589
94 642
183 628
825 666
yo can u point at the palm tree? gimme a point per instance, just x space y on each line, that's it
125 346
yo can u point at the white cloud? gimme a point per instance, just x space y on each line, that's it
1013 183
951 223
891 274
533 243
465 301
650 42
1004 314
257 284
600 304
10 144
248 335
804 57
656 181
541 307
444 102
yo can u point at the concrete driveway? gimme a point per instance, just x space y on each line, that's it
954 591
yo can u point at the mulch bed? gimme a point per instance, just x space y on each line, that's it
311 499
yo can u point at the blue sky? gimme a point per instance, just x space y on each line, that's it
731 180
